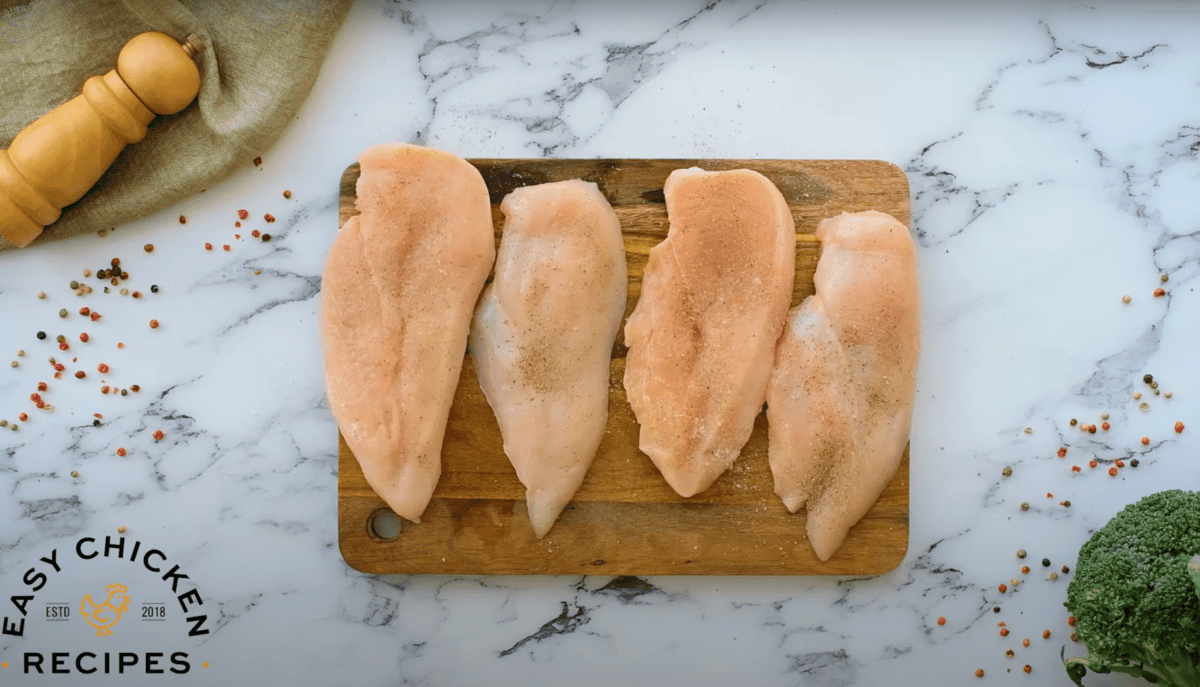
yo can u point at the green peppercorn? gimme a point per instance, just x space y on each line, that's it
1007 471
1164 279
63 313
1021 553
60 338
74 285
1025 506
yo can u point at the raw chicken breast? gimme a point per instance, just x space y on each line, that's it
400 283
702 338
841 395
543 335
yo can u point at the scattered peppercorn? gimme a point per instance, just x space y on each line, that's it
1179 428
1065 570
1070 619
80 374
1024 569
995 609
1028 668
1106 426
256 233
1103 416
1007 471
1010 653
121 530
237 225
42 386
1021 553
1133 463
226 247
182 219
115 262
154 324
74 473
114 281
41 335
1159 293
64 346
1074 422
1091 429
1119 463
979 672
1065 504
1112 471
1074 637
158 435
207 246
1062 452
269 217
137 294
95 423
1145 441
1004 632
257 161
135 388
63 313
1137 395
287 193
1025 642
243 214
42 295
149 247
105 389
941 621
266 237
103 368
1053 576
1029 430
95 316
1025 505
83 336
1003 588
1168 394
1076 468
121 451
23 417
1148 378
124 392
154 288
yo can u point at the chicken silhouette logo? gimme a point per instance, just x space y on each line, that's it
103 616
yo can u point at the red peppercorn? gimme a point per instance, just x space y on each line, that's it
95 316
256 233
1091 429
83 336
23 417
35 397
80 374
243 214
64 346
182 219
158 435
60 367
42 386
154 324
1112 471
1071 621
1106 426
1025 569
979 672
105 389
1159 293
1004 632
207 246
941 621
1145 441
1001 624
1119 463
1003 588
40 404
287 193
237 236
137 294
135 387
237 225
102 368
1049 495
121 451
85 311
1062 452
1092 463
1179 428
1045 634
1025 642
226 247
1076 468
1028 668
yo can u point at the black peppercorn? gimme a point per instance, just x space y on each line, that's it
41 335
154 288
95 423
1066 570
1133 463
1148 378
1046 562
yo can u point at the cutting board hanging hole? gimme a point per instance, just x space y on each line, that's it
384 524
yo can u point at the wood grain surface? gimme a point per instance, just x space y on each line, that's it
625 519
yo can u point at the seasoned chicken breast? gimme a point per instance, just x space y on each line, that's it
702 337
399 287
841 395
543 335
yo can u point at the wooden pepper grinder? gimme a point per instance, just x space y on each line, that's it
55 160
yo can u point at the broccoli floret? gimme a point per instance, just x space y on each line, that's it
1134 597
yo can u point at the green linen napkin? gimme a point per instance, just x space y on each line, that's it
259 62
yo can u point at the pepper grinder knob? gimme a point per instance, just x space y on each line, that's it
55 160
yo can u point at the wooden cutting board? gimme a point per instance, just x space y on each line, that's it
625 519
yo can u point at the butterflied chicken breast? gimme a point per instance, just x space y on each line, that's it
543 334
702 337
841 395
399 287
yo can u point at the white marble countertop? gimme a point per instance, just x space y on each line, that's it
1052 156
